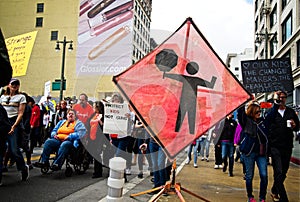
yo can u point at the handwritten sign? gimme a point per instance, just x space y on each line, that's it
19 50
261 76
115 119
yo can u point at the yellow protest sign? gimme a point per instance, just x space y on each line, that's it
19 50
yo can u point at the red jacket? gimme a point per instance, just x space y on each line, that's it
35 117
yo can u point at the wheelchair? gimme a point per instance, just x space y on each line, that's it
77 158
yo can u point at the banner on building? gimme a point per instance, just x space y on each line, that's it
19 50
263 76
181 89
116 118
104 37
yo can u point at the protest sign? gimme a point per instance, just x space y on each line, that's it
262 76
115 118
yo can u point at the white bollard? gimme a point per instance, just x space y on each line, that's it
116 179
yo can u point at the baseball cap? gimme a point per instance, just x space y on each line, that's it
15 81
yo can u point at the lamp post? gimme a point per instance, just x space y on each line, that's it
266 35
62 77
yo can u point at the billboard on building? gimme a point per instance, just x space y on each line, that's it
104 37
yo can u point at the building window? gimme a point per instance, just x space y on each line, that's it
283 3
273 45
40 8
255 5
298 53
287 28
273 16
287 54
54 36
39 22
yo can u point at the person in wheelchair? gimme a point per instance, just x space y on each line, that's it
65 135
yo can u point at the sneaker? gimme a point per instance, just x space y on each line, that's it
188 161
251 199
275 197
25 173
207 160
202 159
195 165
220 166
224 168
230 174
96 175
55 167
127 171
41 164
140 175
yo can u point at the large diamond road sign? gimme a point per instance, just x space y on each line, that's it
181 89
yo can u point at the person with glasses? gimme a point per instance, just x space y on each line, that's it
282 122
253 148
14 103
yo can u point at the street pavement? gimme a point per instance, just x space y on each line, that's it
205 181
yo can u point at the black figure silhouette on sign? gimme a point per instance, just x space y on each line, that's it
188 99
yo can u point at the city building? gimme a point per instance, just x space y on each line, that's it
233 62
58 26
277 35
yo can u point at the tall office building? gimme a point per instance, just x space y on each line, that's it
107 36
277 35
233 62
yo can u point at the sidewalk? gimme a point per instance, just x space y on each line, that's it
205 181
215 185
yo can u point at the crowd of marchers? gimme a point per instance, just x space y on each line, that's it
63 127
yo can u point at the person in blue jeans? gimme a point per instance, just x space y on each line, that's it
227 145
158 163
64 136
254 148
195 145
14 103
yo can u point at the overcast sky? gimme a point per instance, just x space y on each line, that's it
228 25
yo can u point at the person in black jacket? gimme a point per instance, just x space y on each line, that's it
227 143
5 127
253 147
281 122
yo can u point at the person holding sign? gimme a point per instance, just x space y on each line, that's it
254 148
119 113
282 121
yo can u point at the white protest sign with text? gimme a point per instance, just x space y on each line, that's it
115 118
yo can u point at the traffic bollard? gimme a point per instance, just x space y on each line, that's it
116 179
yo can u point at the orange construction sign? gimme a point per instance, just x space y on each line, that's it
181 89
